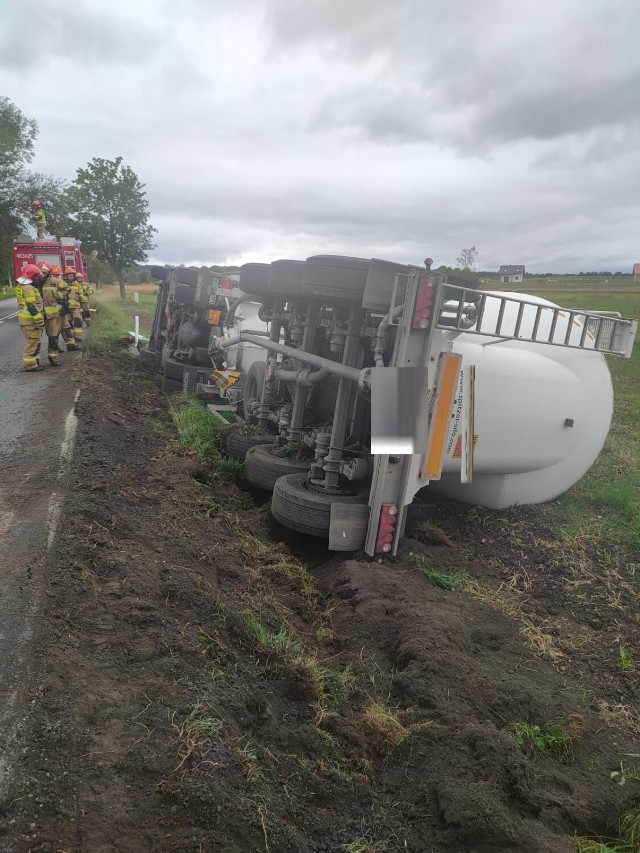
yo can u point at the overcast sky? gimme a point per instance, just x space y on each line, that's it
268 129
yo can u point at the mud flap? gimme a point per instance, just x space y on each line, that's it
348 526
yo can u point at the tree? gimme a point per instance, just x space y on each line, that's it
466 260
17 135
111 214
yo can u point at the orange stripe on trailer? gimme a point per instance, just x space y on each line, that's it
441 416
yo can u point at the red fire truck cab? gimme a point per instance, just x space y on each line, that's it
65 253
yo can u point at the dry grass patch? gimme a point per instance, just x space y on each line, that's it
387 728
621 717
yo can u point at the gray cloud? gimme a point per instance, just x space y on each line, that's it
273 128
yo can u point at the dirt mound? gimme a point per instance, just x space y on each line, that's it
204 680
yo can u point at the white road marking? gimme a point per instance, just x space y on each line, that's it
54 510
9 317
6 518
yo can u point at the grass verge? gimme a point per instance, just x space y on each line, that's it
199 430
109 324
628 840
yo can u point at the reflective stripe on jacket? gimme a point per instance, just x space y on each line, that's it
28 294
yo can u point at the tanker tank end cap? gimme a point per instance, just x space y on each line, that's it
569 422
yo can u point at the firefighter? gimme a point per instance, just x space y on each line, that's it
65 312
38 218
30 316
85 290
74 305
49 287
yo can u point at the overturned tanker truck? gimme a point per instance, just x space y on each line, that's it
515 396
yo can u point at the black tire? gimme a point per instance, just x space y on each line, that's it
185 275
254 278
237 444
160 273
171 386
262 467
304 511
335 277
285 278
253 388
173 369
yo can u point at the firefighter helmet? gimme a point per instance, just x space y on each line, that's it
44 267
55 270
36 203
31 272
79 276
69 271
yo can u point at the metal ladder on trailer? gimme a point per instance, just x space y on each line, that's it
507 318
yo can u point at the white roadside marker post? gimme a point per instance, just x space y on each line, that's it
136 333
136 298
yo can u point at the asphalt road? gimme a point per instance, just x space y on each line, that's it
36 442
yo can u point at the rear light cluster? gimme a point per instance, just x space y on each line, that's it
386 528
424 299
226 284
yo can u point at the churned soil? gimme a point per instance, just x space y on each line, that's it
203 680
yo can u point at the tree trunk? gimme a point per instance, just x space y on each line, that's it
120 277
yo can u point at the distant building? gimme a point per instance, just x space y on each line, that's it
511 273
636 272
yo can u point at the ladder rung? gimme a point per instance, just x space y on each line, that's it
567 337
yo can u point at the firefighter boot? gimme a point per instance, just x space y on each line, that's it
53 350
77 328
31 351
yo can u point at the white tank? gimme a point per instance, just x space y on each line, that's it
542 413
242 355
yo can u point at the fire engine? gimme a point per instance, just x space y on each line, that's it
63 253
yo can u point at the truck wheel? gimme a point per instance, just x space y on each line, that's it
254 278
285 278
304 510
160 273
262 467
336 277
238 444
